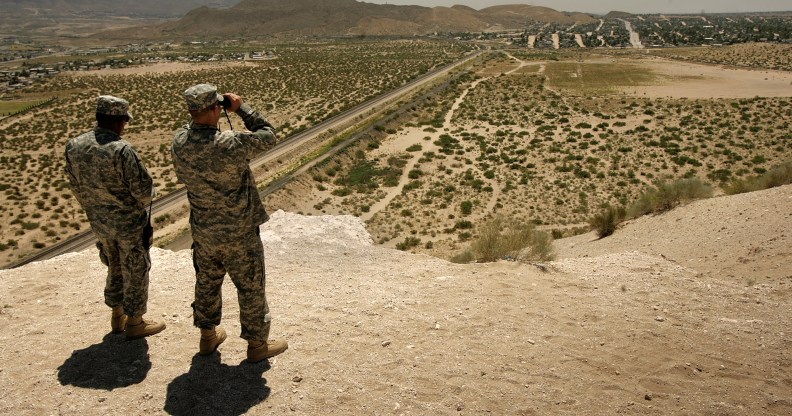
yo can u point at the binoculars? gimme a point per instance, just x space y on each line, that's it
226 102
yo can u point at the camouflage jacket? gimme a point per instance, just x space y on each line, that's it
214 166
110 182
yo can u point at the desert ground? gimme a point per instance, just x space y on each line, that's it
694 81
687 312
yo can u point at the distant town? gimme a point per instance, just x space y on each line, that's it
655 31
614 31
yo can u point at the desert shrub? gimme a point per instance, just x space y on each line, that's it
463 225
720 175
466 207
408 243
666 196
162 219
362 173
30 225
463 257
541 246
605 223
777 176
500 238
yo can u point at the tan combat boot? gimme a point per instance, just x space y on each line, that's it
118 320
136 328
210 340
260 350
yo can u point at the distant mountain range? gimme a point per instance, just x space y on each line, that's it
122 8
266 18
95 22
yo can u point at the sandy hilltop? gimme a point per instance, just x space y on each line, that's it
688 312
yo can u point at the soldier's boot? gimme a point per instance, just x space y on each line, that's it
118 320
137 327
260 350
210 340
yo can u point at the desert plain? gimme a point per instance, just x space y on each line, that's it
684 312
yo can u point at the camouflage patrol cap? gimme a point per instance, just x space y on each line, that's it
112 106
202 96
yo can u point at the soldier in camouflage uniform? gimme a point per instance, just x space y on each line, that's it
225 214
115 190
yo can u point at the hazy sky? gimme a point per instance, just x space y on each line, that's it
631 6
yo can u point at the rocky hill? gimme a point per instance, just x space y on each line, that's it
265 18
688 312
618 15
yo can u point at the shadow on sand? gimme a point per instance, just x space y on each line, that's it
111 364
213 388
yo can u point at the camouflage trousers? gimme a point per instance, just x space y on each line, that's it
128 266
243 259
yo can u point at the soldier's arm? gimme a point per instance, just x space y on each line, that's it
262 136
137 177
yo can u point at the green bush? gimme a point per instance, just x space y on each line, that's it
605 223
666 196
362 173
466 207
501 239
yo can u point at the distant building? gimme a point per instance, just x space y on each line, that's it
263 56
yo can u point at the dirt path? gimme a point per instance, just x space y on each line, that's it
579 40
635 37
531 41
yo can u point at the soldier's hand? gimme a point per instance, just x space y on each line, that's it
236 101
